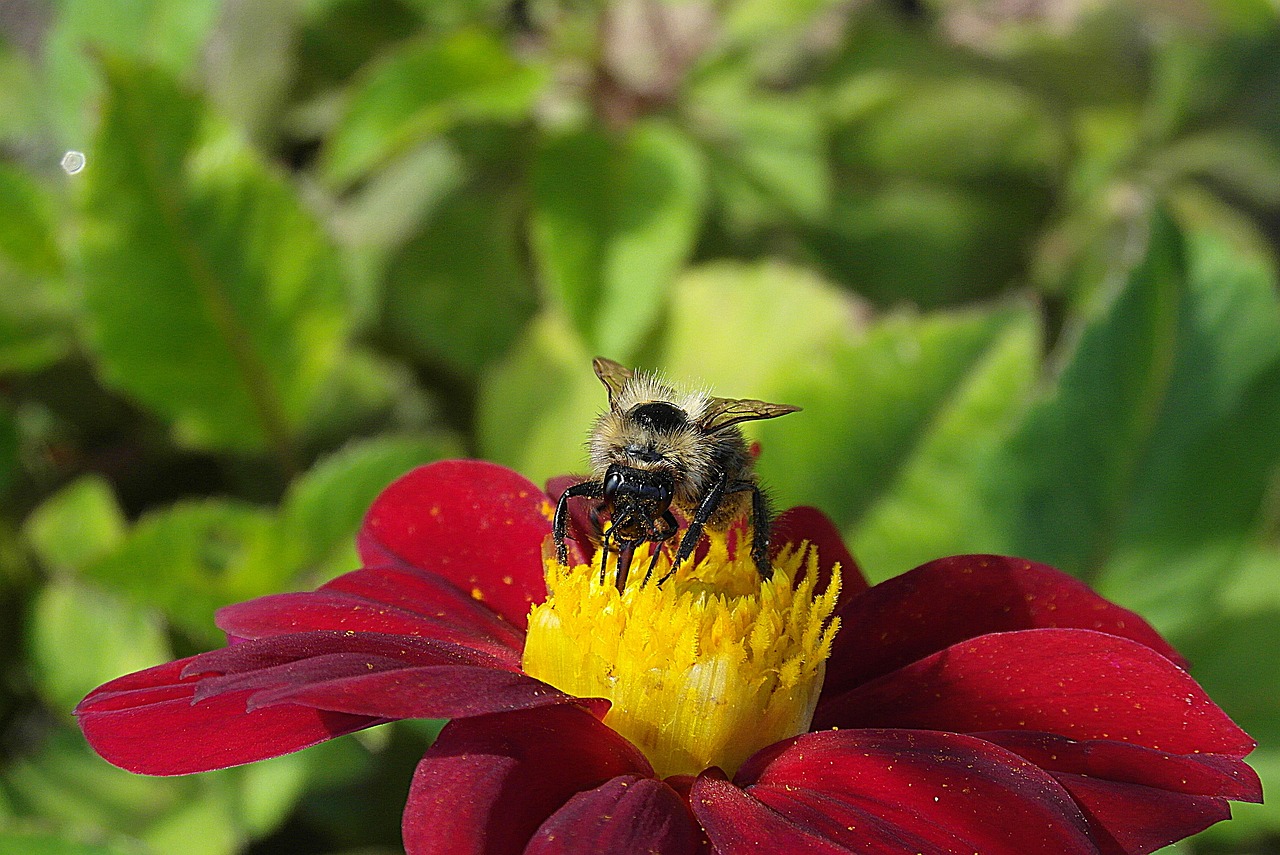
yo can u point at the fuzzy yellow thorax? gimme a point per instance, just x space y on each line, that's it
703 671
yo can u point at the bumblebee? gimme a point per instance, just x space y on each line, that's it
657 448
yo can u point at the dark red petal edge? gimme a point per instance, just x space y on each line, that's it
953 599
387 676
1073 682
798 524
380 600
890 791
489 783
146 723
1135 799
477 524
625 814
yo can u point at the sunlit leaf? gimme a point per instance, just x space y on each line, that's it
193 557
1147 465
80 637
422 89
883 409
168 33
767 155
79 523
27 236
536 405
930 508
49 843
458 291
614 218
324 508
213 295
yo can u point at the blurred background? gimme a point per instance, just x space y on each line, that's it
1015 258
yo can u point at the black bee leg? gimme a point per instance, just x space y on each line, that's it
606 547
625 553
591 489
759 527
659 538
710 503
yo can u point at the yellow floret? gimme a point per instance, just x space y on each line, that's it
703 671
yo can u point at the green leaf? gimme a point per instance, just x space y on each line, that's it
213 296
35 310
1146 469
76 525
194 557
458 291
325 507
888 408
27 236
932 244
1071 464
927 510
954 128
23 100
79 638
49 843
724 323
536 406
35 323
614 219
66 786
70 787
422 89
767 155
9 447
168 33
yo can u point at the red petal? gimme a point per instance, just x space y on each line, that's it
801 523
440 691
366 601
488 783
146 723
625 814
276 650
1133 820
477 524
953 599
1073 682
1136 799
1193 774
388 676
890 791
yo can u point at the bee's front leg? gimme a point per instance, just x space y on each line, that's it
559 527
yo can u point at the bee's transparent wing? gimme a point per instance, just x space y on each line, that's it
724 412
612 374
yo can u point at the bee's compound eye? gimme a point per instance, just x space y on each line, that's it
613 482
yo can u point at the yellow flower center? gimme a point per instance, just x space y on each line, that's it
703 671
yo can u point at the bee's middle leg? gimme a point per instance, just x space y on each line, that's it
706 509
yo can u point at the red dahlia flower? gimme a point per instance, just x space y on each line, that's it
975 704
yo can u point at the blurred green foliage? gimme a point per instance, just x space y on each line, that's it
1017 261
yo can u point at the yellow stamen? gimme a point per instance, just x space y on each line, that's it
703 671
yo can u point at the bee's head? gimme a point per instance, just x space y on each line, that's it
636 497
